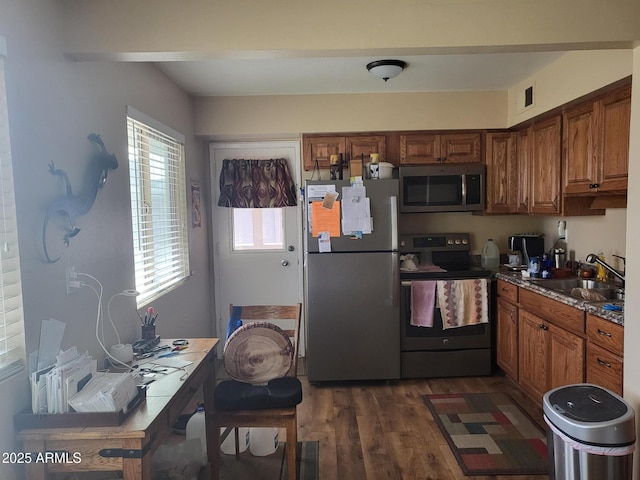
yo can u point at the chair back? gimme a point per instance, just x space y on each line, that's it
286 317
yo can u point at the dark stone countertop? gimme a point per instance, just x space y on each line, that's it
594 308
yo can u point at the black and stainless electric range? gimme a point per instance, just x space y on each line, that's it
435 351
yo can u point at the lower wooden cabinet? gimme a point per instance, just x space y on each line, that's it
605 347
533 355
507 338
549 356
542 343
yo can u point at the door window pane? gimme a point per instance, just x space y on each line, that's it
258 229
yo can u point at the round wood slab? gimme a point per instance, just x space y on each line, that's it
258 352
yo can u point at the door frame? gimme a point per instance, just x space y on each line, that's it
221 312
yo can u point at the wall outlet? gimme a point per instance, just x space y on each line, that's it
71 278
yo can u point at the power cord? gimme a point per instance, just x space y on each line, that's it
100 320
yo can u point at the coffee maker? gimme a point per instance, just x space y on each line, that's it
528 244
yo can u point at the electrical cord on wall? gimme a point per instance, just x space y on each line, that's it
100 321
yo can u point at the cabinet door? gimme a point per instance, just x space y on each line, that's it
419 149
523 153
580 149
566 353
359 147
319 149
545 168
461 148
502 181
507 338
533 354
616 119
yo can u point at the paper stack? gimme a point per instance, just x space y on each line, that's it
52 386
106 392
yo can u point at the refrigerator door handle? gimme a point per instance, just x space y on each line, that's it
395 286
394 223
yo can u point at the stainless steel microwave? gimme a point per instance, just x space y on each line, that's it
442 188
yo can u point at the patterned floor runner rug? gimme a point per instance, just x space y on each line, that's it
489 434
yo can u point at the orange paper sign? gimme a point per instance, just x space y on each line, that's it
325 219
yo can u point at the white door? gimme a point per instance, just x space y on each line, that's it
255 272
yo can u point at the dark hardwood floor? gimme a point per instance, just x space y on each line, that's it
383 430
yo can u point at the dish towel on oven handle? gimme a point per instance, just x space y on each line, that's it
423 300
463 302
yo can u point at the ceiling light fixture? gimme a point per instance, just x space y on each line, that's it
386 69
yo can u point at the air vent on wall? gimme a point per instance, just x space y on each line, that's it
525 99
528 96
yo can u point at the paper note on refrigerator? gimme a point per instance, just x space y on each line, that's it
356 210
325 219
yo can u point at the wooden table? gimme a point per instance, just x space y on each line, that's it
129 446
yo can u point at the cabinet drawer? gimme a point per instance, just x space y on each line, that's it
605 334
555 312
604 368
508 291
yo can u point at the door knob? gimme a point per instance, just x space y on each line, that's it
284 263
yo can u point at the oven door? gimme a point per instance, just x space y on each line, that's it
414 338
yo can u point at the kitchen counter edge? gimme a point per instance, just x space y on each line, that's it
516 278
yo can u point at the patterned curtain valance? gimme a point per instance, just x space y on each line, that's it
256 184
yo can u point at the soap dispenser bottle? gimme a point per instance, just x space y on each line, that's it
601 273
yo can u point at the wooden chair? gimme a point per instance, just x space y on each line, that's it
239 404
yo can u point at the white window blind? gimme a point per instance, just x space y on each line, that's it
158 206
12 348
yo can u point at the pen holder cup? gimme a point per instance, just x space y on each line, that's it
148 331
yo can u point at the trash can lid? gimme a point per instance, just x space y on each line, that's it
590 414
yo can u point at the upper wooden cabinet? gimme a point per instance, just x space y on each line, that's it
596 145
319 148
502 178
360 147
523 169
545 167
438 148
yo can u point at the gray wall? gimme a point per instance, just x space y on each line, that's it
54 104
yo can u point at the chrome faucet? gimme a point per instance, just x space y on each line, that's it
593 258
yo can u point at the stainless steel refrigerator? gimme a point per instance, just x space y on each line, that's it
351 292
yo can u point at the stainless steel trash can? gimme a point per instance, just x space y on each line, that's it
591 434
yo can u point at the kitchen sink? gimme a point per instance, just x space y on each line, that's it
586 289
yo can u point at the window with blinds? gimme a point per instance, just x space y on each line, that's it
12 348
158 206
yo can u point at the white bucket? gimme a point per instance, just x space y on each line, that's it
264 441
229 444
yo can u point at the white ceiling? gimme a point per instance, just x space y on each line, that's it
290 76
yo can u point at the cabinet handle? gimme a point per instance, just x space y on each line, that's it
604 364
606 334
594 185
543 326
511 316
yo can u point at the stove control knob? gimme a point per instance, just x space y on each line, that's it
445 341
457 241
465 241
449 242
